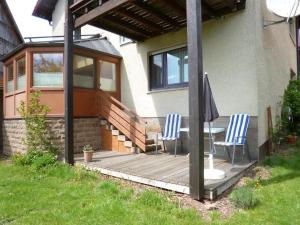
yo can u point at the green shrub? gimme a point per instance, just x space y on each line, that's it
36 159
40 151
244 197
34 114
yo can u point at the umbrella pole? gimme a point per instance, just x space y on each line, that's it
210 158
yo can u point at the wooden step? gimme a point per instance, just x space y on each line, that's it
150 142
115 132
122 138
151 148
128 144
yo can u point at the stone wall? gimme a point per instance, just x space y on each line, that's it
86 131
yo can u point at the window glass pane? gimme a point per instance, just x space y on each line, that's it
156 71
21 74
185 67
107 76
10 78
48 70
83 71
177 66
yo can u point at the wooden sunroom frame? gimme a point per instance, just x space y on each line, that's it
104 14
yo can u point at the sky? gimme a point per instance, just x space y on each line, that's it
30 26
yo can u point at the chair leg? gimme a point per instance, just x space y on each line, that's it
228 153
175 146
156 143
248 152
233 155
164 144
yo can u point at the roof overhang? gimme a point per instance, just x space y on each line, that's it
143 19
44 9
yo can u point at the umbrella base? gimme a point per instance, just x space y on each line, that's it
214 174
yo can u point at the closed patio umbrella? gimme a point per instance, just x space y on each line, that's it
210 113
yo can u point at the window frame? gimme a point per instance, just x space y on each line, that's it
31 75
116 75
165 84
94 67
17 71
11 63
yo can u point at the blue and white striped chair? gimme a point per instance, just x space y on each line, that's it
236 135
171 131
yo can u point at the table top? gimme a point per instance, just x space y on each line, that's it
214 130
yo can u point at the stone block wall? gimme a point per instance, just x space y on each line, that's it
86 131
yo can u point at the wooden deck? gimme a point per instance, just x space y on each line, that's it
163 170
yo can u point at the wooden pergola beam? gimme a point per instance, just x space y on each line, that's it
209 10
141 20
177 8
99 11
104 24
196 140
156 13
134 29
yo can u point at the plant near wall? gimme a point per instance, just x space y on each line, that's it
291 107
37 138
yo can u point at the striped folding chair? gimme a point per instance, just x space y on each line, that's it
171 131
236 135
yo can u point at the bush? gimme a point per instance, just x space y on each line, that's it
244 197
40 151
36 159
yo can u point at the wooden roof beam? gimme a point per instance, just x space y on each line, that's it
130 26
107 25
99 11
209 10
140 20
156 13
177 8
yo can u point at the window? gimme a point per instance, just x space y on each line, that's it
107 76
84 70
10 78
169 69
48 70
21 73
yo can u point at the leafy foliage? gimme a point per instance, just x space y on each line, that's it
88 148
291 106
34 115
40 151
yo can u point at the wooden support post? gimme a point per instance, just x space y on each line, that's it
196 140
68 84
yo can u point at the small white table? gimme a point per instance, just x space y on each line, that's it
213 130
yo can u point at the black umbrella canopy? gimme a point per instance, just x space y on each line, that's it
210 111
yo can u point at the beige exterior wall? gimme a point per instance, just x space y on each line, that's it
275 56
229 59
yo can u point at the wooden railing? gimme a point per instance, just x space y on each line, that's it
121 117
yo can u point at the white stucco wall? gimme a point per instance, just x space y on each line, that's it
275 56
228 59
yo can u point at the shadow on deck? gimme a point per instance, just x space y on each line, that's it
163 170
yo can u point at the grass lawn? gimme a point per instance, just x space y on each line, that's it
64 195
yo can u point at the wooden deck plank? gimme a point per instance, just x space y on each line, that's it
162 170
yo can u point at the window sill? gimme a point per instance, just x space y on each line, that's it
167 90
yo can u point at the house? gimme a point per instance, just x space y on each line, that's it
249 66
10 37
